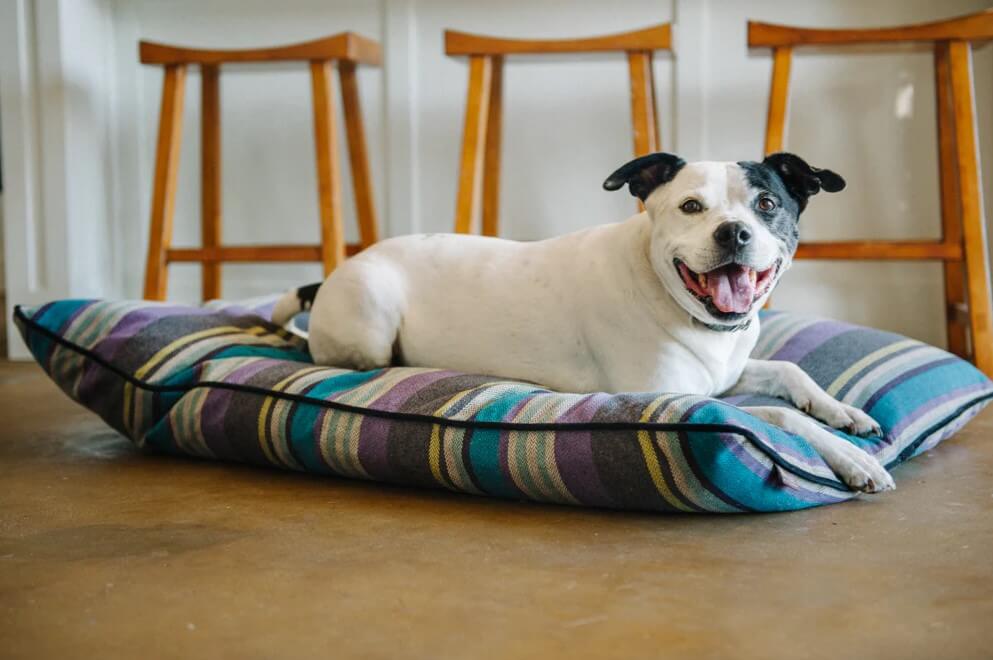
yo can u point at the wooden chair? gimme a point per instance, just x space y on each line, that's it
962 247
348 50
480 162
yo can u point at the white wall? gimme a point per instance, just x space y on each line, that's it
871 117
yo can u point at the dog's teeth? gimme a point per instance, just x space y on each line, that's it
702 279
753 276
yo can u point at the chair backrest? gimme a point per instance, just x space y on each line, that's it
347 50
479 173
962 247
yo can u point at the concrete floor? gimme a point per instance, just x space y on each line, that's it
108 553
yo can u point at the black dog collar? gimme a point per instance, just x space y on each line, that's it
744 325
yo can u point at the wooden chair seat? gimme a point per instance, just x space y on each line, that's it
345 46
347 50
962 246
479 172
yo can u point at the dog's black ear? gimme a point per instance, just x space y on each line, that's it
645 174
801 179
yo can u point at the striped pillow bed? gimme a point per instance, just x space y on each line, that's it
224 383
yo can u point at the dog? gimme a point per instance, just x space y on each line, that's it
666 300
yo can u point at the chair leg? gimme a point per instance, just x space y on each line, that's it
644 115
657 145
164 184
951 218
365 204
779 90
973 233
491 163
328 176
779 93
210 174
642 102
473 142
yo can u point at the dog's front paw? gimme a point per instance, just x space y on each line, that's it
861 471
842 416
861 424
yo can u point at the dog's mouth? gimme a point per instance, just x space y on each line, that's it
731 289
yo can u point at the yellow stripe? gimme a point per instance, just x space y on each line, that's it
126 409
162 353
186 339
450 442
263 413
539 455
681 472
651 459
553 471
294 383
848 373
129 409
434 455
329 444
347 433
267 403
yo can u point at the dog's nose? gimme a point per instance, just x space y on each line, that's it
733 235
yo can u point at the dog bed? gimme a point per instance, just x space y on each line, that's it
222 382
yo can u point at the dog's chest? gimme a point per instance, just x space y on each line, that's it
702 364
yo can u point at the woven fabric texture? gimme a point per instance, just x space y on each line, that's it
224 383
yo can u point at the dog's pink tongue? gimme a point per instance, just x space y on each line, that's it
731 289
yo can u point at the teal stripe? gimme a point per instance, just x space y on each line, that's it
276 352
346 381
484 446
304 441
918 390
735 479
54 318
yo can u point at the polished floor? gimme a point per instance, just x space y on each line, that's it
107 553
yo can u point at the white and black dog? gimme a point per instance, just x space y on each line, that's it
664 301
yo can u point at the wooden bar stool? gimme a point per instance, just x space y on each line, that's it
480 162
348 50
962 247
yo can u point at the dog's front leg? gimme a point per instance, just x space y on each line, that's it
857 469
786 380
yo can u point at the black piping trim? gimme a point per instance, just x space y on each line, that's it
688 427
909 450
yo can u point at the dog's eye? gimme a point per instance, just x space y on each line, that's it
767 204
691 206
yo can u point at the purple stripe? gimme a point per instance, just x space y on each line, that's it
503 445
374 434
905 376
48 366
574 454
215 406
949 430
763 472
786 450
137 320
809 339
127 327
931 404
751 463
264 310
698 473
37 313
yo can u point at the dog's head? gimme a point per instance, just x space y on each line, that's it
722 233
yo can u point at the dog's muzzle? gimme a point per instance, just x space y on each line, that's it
731 289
